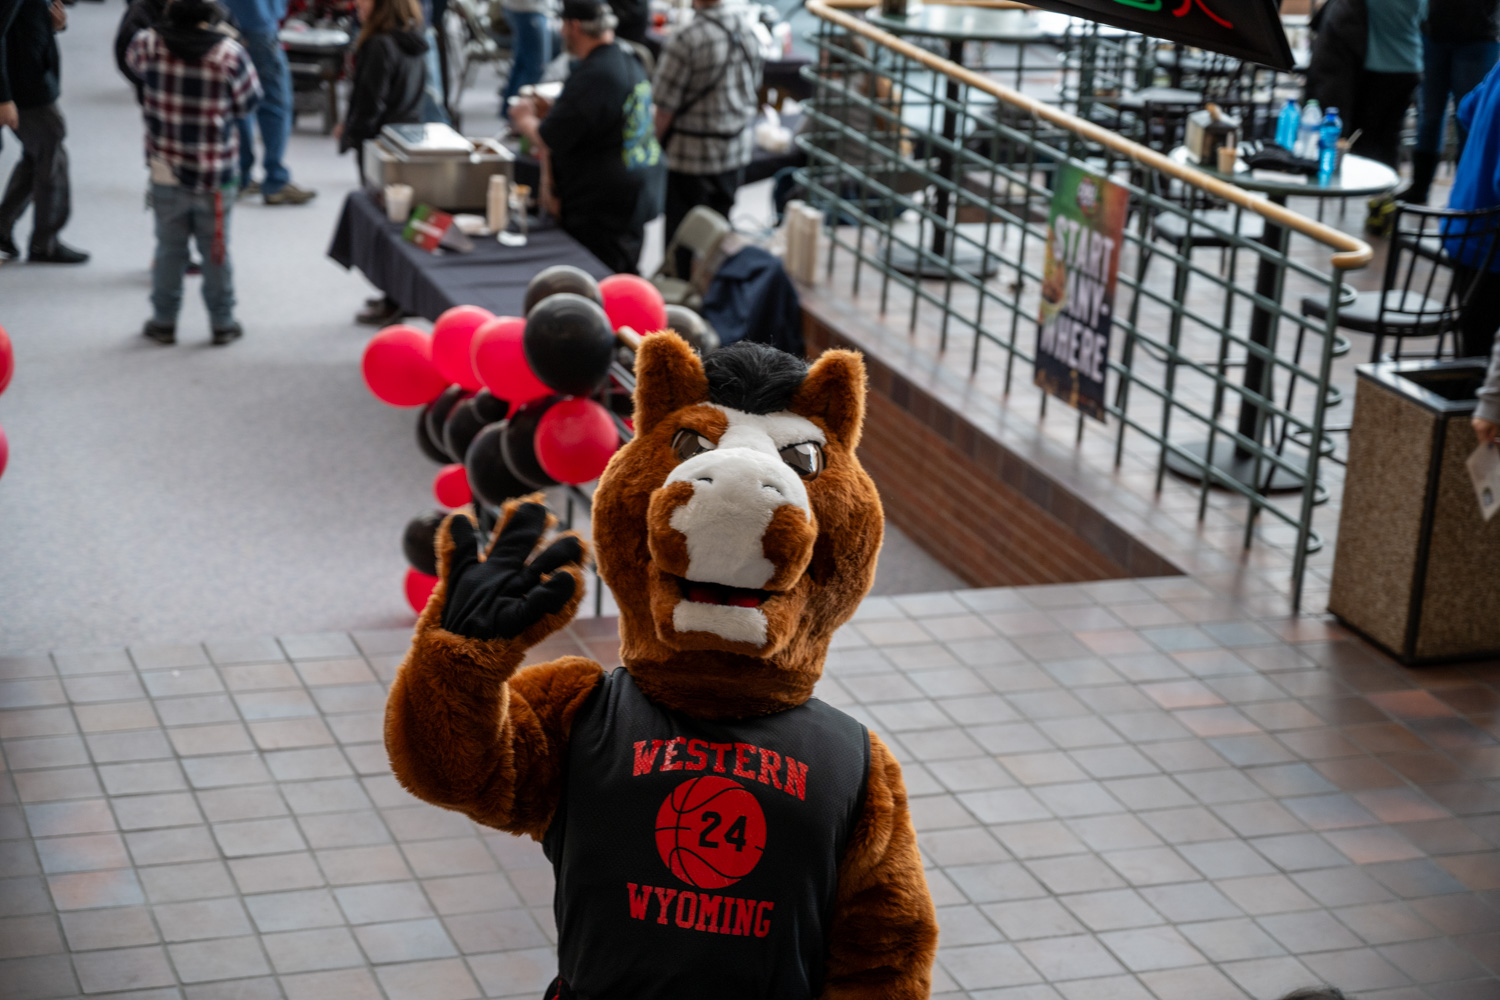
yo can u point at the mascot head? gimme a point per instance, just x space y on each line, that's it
737 529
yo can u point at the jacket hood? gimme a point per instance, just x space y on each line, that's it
409 42
191 44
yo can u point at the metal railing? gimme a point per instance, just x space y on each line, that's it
937 180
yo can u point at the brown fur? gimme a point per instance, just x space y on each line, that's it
466 731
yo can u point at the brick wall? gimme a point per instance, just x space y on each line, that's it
980 510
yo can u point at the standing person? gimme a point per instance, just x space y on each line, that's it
197 82
1366 60
1476 185
30 69
530 45
707 92
390 77
599 156
1460 44
259 21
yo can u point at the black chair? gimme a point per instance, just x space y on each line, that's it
1425 285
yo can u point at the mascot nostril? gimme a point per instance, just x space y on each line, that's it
737 531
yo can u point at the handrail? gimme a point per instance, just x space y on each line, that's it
1350 251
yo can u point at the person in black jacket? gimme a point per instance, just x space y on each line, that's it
29 88
390 72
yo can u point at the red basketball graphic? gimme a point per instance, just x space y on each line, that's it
711 832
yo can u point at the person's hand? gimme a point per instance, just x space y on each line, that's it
502 596
523 110
59 15
1485 430
9 117
338 132
540 105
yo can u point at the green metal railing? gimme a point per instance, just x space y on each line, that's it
938 178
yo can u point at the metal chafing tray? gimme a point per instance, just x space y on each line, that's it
445 169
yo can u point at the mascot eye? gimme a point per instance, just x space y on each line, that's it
806 458
688 443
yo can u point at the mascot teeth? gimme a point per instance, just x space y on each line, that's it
713 828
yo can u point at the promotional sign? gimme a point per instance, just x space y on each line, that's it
1249 29
1084 231
427 227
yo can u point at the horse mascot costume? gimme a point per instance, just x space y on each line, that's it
716 832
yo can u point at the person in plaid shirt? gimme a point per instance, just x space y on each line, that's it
196 82
707 91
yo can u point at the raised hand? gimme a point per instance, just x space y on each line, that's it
503 595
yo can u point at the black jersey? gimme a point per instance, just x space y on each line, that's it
700 858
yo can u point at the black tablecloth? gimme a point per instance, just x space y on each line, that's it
492 276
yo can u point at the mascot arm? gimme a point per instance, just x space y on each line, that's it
884 934
463 728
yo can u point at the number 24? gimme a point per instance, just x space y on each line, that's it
734 835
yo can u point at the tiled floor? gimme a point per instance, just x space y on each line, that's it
1123 791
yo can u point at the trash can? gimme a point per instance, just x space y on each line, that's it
1416 567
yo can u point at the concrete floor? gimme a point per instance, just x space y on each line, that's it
194 492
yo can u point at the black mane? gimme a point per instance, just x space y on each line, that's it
753 378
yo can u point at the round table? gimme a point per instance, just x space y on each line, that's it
1359 177
957 25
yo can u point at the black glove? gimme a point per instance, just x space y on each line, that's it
502 596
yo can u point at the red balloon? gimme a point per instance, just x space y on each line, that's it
574 440
451 486
451 337
418 588
4 451
499 359
630 300
7 359
398 367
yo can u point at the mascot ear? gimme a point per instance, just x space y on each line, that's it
834 392
668 376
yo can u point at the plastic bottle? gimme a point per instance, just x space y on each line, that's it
1286 125
1328 145
1307 131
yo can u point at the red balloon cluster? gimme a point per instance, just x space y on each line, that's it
7 368
630 300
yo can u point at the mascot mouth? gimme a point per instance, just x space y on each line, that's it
717 593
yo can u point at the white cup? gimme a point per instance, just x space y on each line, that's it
398 202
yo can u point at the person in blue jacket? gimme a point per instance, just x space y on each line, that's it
258 22
1476 185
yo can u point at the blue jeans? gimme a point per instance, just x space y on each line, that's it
531 50
274 113
1448 68
181 214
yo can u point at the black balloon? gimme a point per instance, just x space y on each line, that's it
489 477
692 328
518 444
569 344
490 406
424 439
463 423
436 415
560 278
417 542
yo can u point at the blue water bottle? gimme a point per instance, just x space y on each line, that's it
1328 145
1286 125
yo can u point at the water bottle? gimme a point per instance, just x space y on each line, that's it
1286 125
1307 131
1328 145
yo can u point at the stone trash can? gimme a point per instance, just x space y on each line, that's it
1417 568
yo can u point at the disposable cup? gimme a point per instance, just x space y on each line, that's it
398 202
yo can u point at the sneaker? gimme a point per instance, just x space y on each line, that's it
194 267
8 248
162 333
225 334
60 253
249 190
291 194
